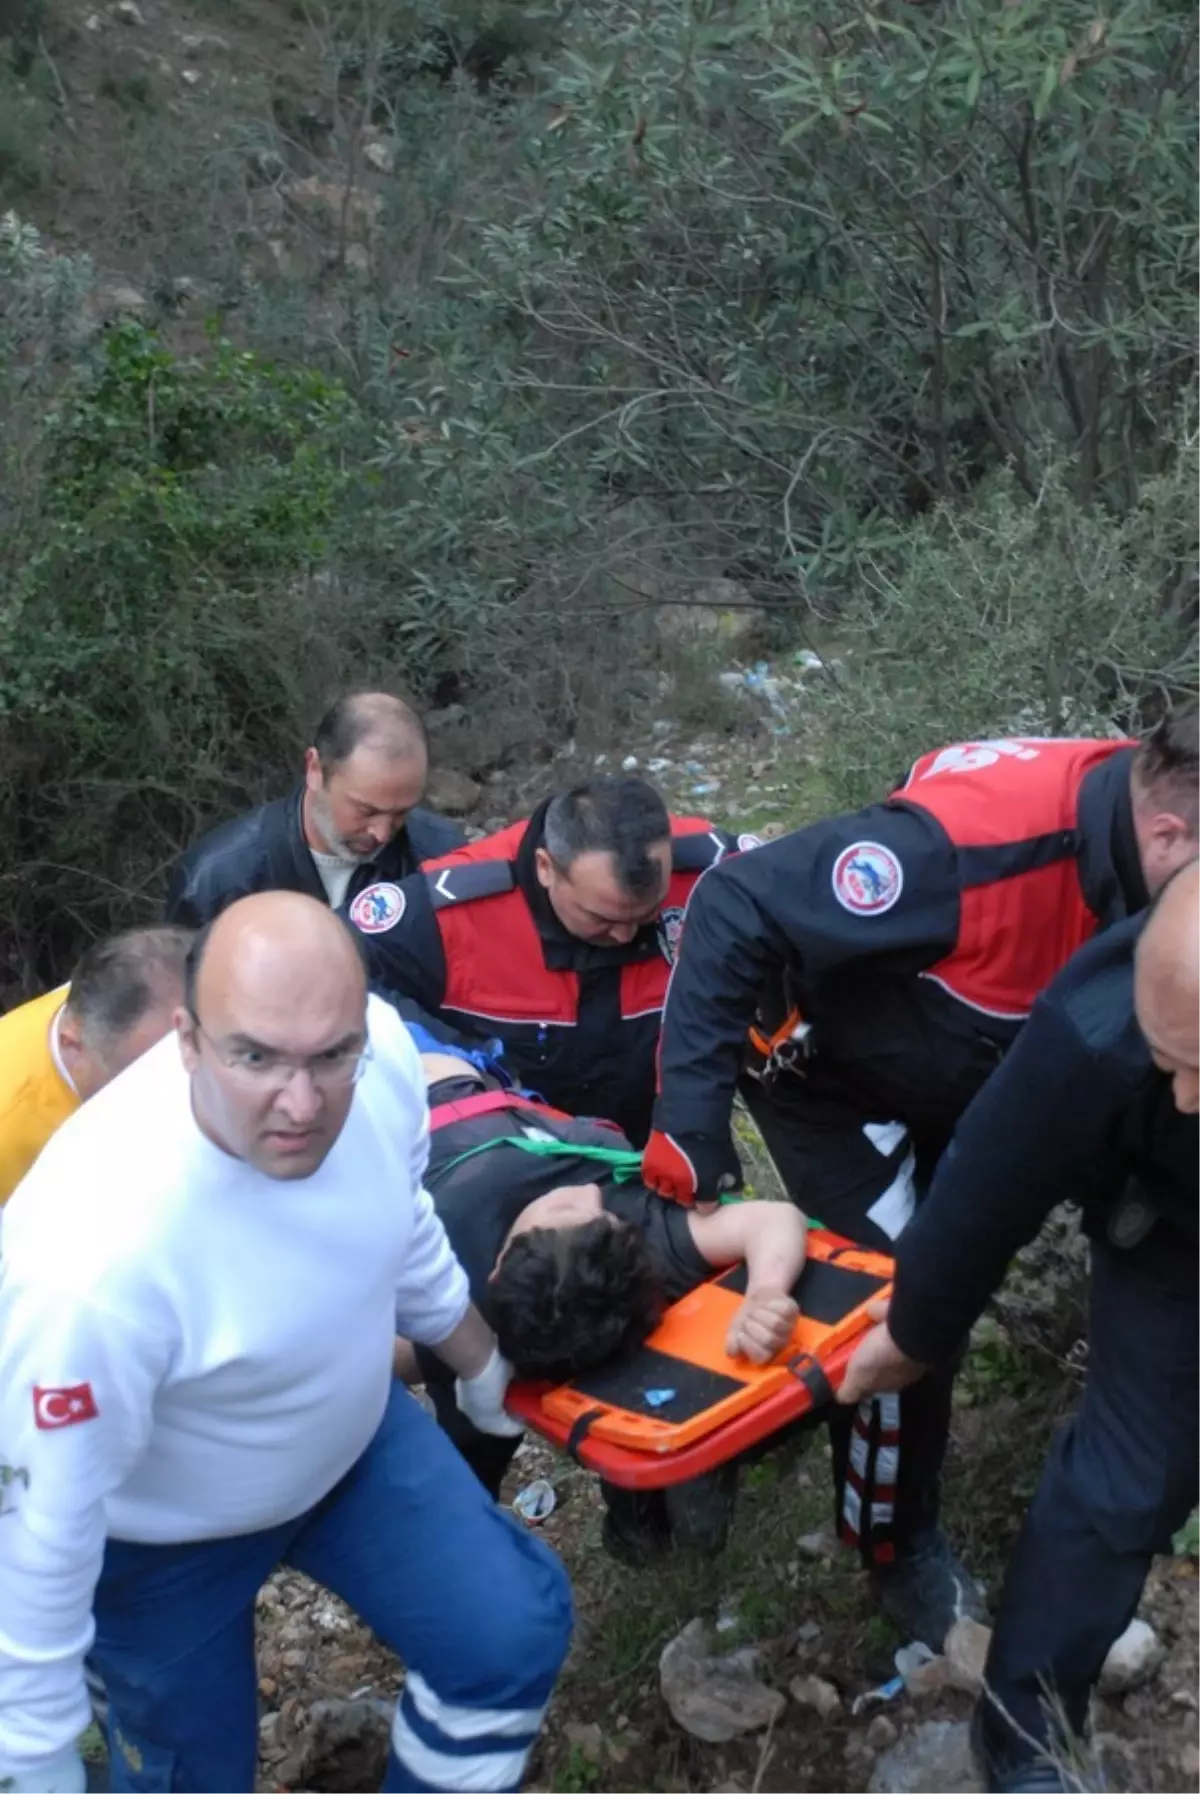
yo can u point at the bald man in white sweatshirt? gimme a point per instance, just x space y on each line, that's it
202 1278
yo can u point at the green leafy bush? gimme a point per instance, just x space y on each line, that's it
999 616
161 623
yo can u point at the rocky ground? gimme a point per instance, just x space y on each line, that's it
797 1654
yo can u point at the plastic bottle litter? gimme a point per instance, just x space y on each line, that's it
886 1691
658 1398
911 1657
908 1658
535 1502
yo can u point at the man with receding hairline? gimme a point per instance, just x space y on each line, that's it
198 1387
356 818
1097 1102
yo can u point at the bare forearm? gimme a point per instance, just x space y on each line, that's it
468 1348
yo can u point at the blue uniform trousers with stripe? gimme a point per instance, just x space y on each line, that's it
478 1609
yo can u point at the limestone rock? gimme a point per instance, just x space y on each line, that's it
820 1696
335 200
720 611
822 1543
451 792
446 718
380 156
586 1737
130 13
714 1698
966 1649
118 300
1132 1660
198 43
934 1758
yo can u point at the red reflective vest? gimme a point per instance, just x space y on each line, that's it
1011 809
495 964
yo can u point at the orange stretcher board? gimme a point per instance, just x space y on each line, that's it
679 1406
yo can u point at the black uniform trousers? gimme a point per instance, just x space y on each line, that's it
862 1180
1120 1479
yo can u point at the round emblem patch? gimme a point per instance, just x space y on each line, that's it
378 908
670 927
867 878
746 842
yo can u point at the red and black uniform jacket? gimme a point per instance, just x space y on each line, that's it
473 939
913 935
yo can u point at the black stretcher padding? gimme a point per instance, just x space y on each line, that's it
625 1382
824 1292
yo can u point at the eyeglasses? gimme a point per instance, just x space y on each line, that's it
266 1069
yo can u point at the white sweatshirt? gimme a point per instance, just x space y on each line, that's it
190 1349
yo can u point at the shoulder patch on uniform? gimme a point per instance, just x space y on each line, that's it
469 880
378 908
670 927
867 878
746 842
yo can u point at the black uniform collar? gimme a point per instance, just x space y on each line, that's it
1110 867
561 951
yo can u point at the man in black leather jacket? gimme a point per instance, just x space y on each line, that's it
355 819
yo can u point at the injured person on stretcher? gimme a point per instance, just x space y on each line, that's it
573 1260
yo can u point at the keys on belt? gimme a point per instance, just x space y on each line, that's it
786 1048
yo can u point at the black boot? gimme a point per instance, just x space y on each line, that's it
1010 1770
927 1589
636 1530
700 1512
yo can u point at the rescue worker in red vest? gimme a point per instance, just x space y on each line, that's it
557 936
891 956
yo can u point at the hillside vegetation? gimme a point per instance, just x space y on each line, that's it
471 346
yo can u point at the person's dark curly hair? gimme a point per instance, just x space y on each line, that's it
566 1298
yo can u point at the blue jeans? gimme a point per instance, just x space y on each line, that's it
478 1609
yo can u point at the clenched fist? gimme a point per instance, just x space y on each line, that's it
762 1326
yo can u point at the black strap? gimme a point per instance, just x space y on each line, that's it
702 848
806 1370
580 1431
468 881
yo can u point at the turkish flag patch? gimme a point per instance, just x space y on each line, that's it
63 1407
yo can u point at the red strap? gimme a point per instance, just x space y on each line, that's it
488 1102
